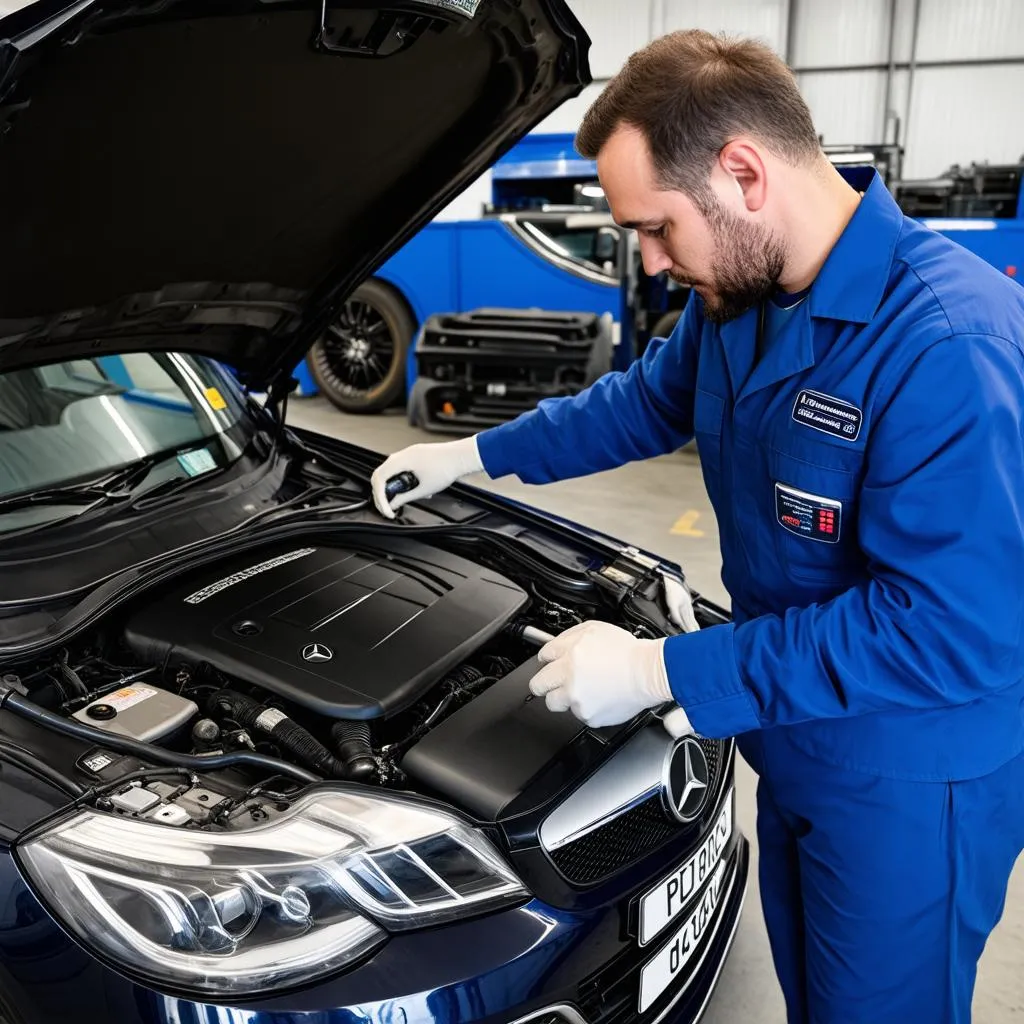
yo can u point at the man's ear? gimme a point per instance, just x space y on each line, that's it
742 161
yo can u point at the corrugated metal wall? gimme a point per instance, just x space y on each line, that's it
956 114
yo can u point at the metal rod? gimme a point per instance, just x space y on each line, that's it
25 708
536 636
890 72
791 17
966 62
913 67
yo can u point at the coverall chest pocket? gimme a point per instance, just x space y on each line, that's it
813 501
708 417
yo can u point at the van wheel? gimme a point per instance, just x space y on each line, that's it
359 361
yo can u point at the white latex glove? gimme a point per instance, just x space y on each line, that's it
680 610
677 723
680 604
436 466
601 673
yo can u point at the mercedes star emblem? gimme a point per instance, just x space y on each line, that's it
317 652
687 780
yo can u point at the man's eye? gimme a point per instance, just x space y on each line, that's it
656 232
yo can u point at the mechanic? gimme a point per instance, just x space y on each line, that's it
854 382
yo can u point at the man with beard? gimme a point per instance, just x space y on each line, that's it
855 383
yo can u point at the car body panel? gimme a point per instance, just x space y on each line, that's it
493 969
223 137
174 180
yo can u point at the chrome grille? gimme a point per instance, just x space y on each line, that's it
616 845
639 828
713 752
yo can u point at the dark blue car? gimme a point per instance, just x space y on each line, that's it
265 757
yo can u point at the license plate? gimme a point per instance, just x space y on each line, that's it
665 968
669 898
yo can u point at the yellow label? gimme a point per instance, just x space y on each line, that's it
216 399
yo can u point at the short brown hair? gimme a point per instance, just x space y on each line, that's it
689 93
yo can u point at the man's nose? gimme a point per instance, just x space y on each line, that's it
654 257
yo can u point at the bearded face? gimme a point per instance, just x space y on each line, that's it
743 270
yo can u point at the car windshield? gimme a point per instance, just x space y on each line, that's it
69 422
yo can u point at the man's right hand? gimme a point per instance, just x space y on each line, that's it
435 466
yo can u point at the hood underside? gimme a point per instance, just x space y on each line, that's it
216 177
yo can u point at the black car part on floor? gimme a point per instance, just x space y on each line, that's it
478 369
980 190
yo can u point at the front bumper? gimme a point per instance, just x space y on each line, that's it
494 970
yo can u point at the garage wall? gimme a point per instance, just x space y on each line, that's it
957 76
947 75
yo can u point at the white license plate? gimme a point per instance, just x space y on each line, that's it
663 970
669 898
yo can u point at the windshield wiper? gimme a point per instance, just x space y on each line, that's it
104 490
74 494
153 496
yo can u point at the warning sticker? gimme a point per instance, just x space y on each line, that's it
123 699
808 515
239 577
216 399
827 414
97 762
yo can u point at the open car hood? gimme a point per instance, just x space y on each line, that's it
215 176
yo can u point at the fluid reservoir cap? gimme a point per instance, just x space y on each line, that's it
101 712
206 731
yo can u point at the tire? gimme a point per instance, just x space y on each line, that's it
359 362
666 324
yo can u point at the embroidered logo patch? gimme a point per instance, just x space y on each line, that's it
808 515
828 414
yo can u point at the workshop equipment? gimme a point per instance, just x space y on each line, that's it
478 369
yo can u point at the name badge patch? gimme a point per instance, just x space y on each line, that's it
808 515
828 414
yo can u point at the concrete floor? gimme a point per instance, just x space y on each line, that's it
661 505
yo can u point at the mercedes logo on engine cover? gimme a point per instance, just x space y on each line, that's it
317 652
687 780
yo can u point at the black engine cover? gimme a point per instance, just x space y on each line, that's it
349 632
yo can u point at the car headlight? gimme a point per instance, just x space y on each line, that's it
239 913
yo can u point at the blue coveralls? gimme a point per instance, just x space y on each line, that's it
868 479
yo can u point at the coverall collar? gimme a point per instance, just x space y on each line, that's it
851 284
849 287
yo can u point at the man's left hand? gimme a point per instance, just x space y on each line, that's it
601 673
679 601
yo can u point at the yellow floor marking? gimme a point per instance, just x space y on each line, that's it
685 524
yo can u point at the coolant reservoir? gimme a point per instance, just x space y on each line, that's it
141 712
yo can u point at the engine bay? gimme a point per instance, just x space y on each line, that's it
381 660
348 632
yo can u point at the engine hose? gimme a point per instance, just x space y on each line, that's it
25 708
463 677
462 681
71 677
287 734
355 749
